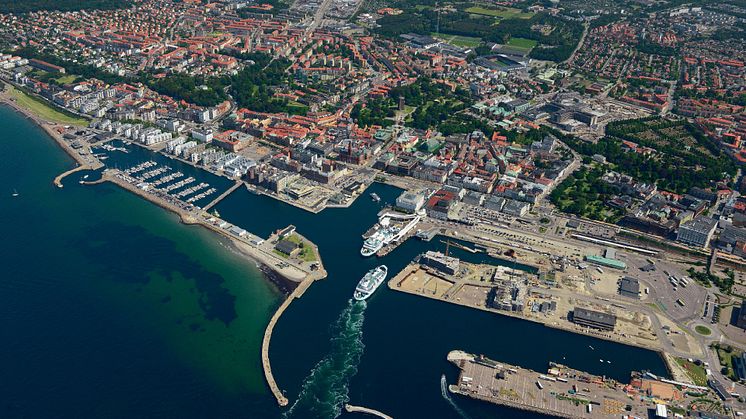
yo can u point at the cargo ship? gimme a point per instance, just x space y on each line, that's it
370 282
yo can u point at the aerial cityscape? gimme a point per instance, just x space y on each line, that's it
384 208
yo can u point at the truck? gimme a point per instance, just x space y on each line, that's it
679 302
538 384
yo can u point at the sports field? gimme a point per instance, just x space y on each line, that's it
458 40
522 43
502 13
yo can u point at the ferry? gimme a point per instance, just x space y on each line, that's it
375 242
370 282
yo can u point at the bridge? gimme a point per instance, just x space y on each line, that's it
223 195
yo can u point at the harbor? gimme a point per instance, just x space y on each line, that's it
327 297
569 393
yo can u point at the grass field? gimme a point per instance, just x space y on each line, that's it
44 110
459 41
502 13
67 78
696 372
522 43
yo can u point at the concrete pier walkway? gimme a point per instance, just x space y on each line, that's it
359 409
223 195
58 179
297 293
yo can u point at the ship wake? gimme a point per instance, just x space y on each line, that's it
326 389
449 399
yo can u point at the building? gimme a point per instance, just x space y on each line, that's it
286 247
741 320
593 319
204 135
609 263
697 232
410 201
629 287
441 262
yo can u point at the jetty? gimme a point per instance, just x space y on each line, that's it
58 179
223 195
359 409
297 293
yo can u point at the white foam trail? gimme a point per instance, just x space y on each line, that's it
325 390
446 395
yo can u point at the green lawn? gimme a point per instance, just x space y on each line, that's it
458 40
696 372
503 13
44 110
66 79
703 330
726 359
522 43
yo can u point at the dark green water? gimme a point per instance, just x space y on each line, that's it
112 308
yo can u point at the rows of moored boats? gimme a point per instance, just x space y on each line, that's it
173 183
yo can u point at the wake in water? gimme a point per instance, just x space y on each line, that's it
446 395
326 389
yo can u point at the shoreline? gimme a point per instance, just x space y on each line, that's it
292 288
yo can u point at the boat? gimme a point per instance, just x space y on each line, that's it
375 242
216 213
374 196
15 193
370 282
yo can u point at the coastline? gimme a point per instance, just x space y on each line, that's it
293 286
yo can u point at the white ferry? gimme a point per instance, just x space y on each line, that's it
376 241
370 282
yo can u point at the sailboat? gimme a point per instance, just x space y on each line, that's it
15 193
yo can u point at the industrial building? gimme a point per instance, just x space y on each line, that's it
441 262
593 319
629 287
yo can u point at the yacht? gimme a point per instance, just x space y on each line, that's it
370 282
374 196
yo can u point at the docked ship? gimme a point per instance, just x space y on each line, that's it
375 242
370 282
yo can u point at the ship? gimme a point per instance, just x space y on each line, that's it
375 242
374 196
370 282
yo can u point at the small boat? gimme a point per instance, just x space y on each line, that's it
15 193
374 196
608 362
601 360
85 177
592 348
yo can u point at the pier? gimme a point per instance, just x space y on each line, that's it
359 409
58 179
223 195
297 293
